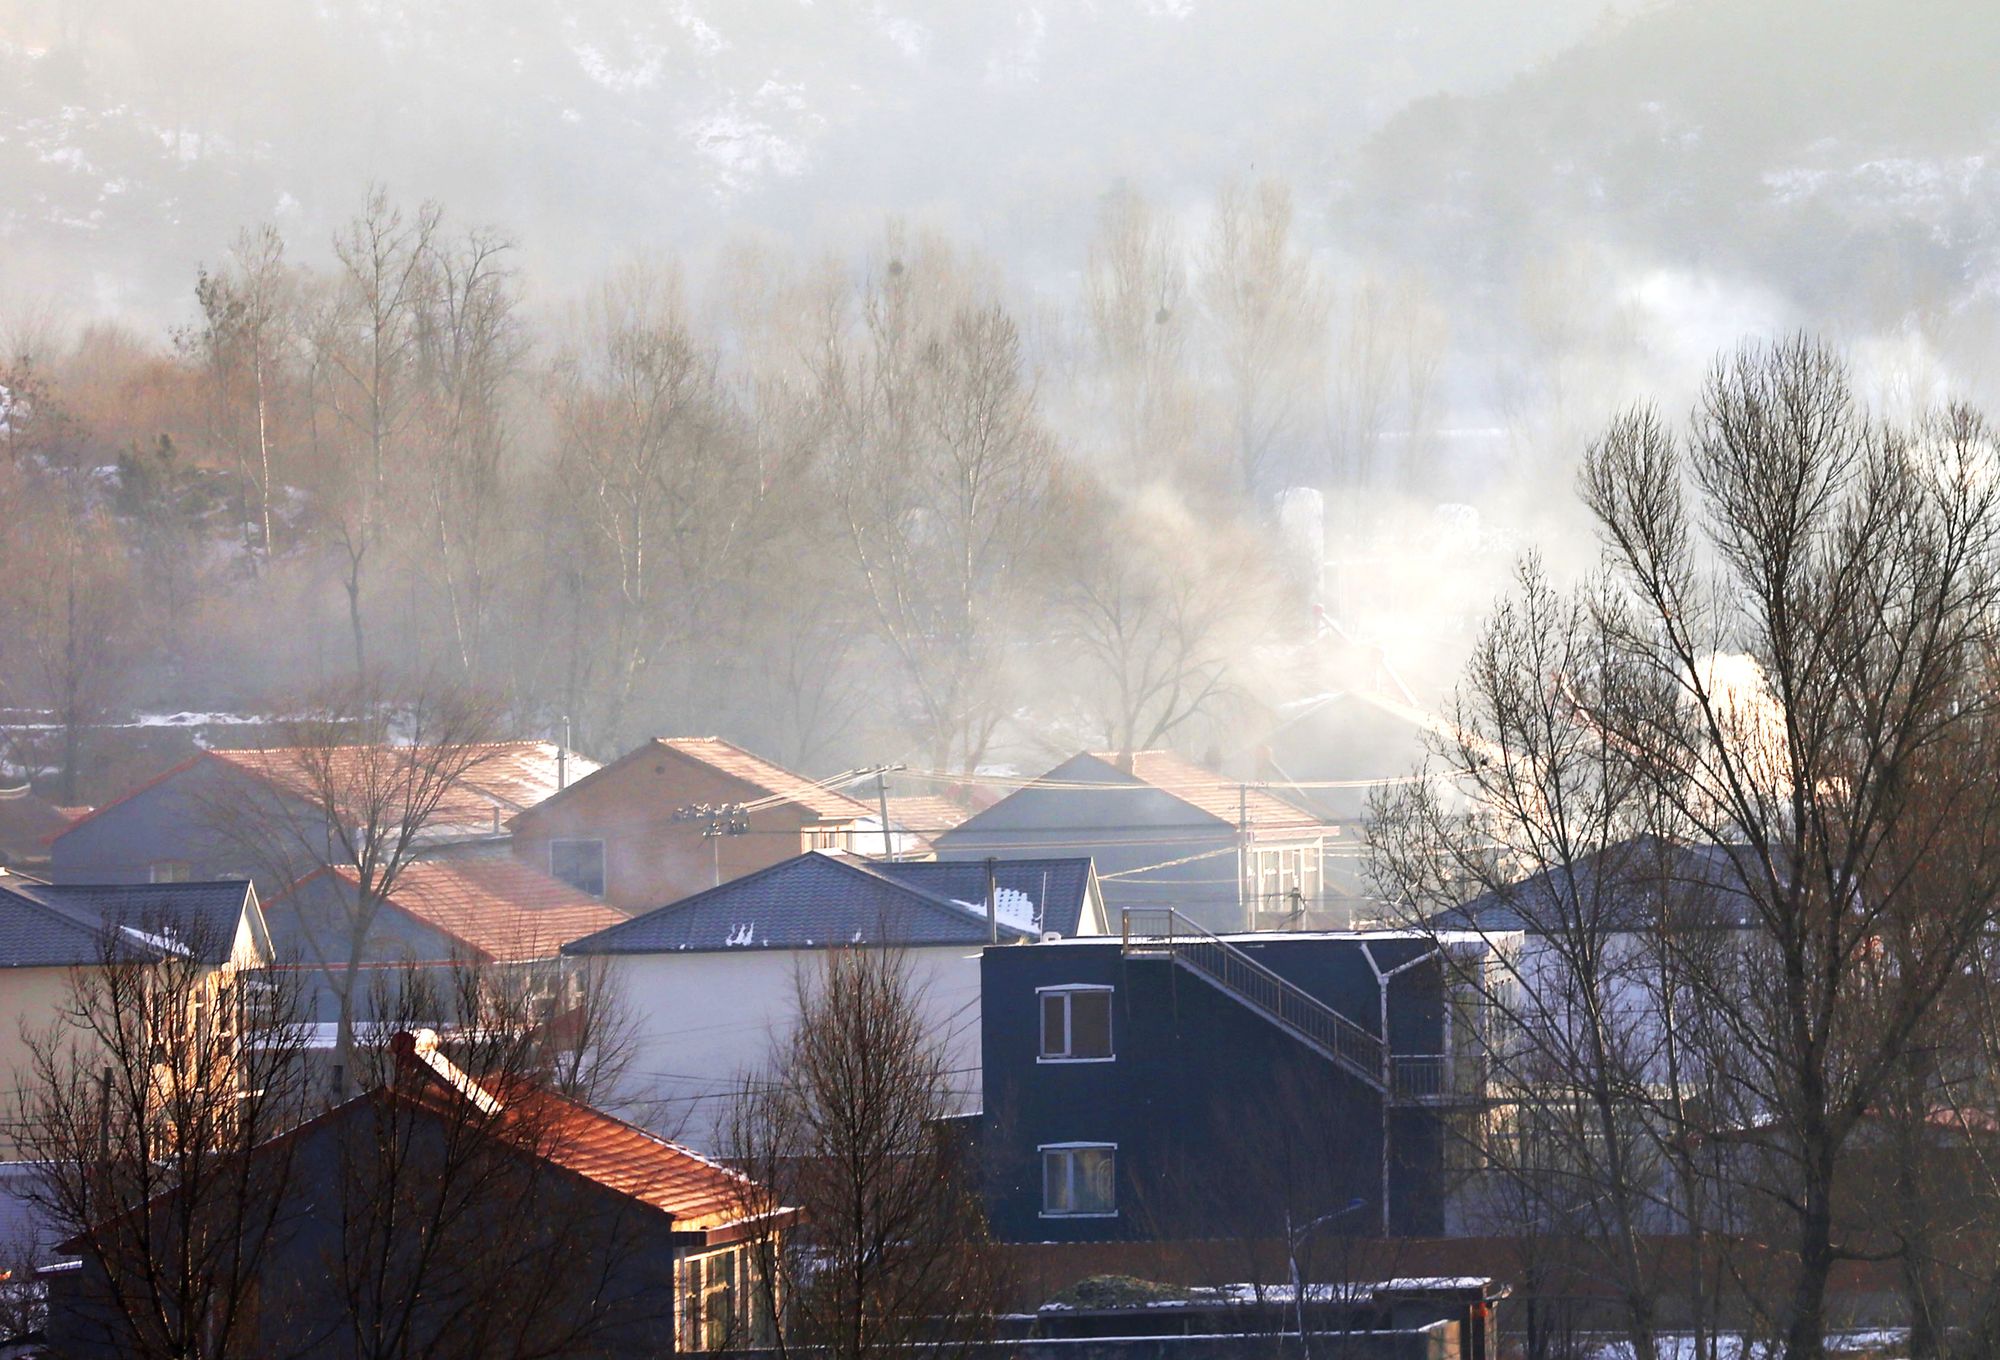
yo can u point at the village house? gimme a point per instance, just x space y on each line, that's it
1162 831
680 814
711 981
48 932
28 822
192 822
441 916
1172 1084
568 1224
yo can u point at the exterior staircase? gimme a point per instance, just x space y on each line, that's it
1162 932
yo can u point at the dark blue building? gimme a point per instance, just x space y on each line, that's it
1178 1085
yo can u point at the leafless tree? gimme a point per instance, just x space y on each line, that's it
944 472
1136 306
144 1098
1267 310
362 781
459 1233
246 347
845 1125
1784 669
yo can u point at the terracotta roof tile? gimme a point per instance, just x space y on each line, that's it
926 814
501 778
1215 794
775 780
503 909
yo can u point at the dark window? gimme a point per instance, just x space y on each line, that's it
579 864
1079 1179
1076 1023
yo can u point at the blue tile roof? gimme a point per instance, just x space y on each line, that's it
1618 888
817 900
47 925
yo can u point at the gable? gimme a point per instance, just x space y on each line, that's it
1086 800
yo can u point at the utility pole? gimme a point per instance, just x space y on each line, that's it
1243 896
718 820
992 900
882 794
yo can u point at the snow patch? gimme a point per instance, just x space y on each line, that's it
740 935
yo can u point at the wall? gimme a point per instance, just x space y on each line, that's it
29 999
177 818
649 858
705 1020
1224 1123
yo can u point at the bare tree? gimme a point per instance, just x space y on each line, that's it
245 346
144 1099
361 782
1136 306
846 1125
1164 611
944 472
1267 310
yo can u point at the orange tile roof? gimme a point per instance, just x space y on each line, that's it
774 780
623 1158
502 909
1214 794
925 813
698 1194
501 778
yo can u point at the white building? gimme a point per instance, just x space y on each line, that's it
711 982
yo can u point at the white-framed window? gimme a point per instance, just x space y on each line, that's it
578 863
1079 1180
1076 1023
168 871
821 839
721 1305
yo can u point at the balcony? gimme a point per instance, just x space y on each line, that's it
1438 1078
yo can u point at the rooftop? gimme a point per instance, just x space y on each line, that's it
46 925
822 900
502 909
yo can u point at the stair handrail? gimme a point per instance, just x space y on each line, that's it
1289 1003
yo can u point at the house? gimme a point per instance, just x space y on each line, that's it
237 813
500 1207
680 814
1173 1084
711 981
1165 832
27 823
439 914
48 931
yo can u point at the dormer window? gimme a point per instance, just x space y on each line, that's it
168 871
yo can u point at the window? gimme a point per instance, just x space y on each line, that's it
827 840
1076 1024
167 871
579 864
721 1308
1079 1180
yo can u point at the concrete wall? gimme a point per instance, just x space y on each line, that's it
702 1021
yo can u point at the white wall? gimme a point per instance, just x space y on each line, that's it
701 1022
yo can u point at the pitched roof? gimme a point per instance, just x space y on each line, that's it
926 814
502 909
500 778
821 900
693 1191
774 780
1621 887
1219 796
48 925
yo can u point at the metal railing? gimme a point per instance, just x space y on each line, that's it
1162 932
1439 1078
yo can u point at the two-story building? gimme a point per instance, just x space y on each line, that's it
1164 832
1169 1083
680 814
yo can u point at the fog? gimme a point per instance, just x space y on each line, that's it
625 359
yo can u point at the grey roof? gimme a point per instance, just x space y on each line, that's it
819 900
28 1231
48 925
1621 887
